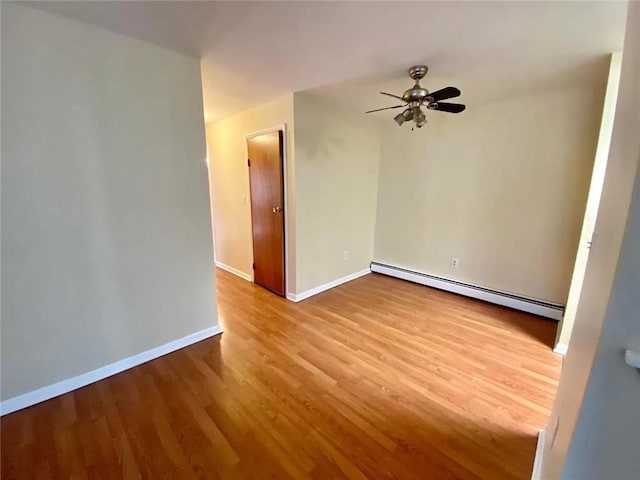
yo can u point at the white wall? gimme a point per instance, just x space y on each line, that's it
229 180
606 440
590 344
501 187
337 158
106 234
593 201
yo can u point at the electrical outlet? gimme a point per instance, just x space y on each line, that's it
346 255
454 262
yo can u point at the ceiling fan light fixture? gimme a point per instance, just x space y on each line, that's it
417 97
405 116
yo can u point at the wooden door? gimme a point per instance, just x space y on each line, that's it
267 210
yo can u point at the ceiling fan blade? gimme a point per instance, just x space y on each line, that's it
447 107
386 108
443 94
392 95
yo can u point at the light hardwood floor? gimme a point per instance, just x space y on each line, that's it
377 379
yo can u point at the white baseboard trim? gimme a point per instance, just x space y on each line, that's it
537 460
561 349
235 271
45 393
530 305
321 288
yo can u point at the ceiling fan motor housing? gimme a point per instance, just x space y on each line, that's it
415 94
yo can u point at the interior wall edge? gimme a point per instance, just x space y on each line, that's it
593 199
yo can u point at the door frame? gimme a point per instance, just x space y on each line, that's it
285 193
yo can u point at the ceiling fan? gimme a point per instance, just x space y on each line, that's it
417 97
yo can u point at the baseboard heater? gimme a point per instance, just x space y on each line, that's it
529 305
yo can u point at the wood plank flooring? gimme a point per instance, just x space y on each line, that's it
375 379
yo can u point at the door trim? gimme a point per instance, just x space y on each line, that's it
285 180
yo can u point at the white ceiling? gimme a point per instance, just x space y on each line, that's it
254 52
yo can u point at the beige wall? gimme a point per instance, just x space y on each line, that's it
501 187
106 235
337 157
586 362
229 180
593 201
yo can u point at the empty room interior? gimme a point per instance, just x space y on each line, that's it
320 240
